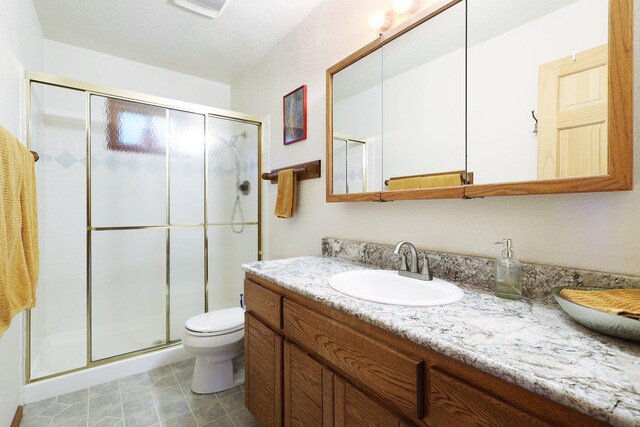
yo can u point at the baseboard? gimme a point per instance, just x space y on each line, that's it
17 418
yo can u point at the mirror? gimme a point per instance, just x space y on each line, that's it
544 60
486 97
423 109
357 106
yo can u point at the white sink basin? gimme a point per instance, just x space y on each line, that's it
388 287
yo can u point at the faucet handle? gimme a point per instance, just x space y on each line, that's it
426 271
404 264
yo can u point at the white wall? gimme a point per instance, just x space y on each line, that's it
98 68
21 45
595 231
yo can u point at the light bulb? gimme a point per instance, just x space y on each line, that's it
378 20
404 6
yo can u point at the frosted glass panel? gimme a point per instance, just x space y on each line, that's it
58 323
233 161
186 167
128 163
128 291
187 277
339 166
355 167
227 252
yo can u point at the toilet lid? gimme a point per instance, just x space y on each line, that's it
220 321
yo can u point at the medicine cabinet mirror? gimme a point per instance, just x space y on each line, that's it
482 98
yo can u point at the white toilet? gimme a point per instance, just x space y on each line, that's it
216 339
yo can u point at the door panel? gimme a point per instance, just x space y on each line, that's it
572 138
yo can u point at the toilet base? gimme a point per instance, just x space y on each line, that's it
212 376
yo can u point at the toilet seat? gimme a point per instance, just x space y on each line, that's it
217 322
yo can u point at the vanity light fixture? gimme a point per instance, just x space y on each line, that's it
378 20
381 21
405 6
208 8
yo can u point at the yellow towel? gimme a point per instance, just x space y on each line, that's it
450 180
19 263
404 184
287 188
623 302
414 183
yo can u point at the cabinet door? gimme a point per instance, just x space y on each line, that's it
308 390
354 408
263 373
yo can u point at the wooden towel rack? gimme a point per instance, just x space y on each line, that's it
303 171
36 156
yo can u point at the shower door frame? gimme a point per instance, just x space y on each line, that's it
207 112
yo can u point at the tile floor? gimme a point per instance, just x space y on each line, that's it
160 397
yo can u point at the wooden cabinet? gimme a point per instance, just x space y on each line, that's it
310 365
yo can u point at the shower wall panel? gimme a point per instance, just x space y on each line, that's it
58 333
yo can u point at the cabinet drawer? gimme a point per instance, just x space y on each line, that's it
455 403
263 303
355 409
395 378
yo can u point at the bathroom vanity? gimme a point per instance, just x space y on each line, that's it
318 357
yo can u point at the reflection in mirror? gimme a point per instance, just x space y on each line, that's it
357 110
537 89
349 165
424 104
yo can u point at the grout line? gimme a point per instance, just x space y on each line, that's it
155 406
225 411
121 400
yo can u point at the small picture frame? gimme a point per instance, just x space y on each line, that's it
294 109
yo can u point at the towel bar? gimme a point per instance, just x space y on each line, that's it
303 171
36 156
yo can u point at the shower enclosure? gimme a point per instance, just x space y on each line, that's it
147 208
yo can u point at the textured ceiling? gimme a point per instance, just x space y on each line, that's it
156 32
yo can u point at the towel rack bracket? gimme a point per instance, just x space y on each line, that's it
303 171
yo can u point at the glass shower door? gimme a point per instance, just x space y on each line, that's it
147 236
232 214
146 212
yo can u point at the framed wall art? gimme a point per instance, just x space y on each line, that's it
294 108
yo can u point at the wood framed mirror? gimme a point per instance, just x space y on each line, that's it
479 98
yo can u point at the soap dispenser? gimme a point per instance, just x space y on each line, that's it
508 272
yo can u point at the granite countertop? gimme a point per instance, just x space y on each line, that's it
528 343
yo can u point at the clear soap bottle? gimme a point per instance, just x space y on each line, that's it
508 273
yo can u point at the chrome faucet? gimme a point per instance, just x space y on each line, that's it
409 268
